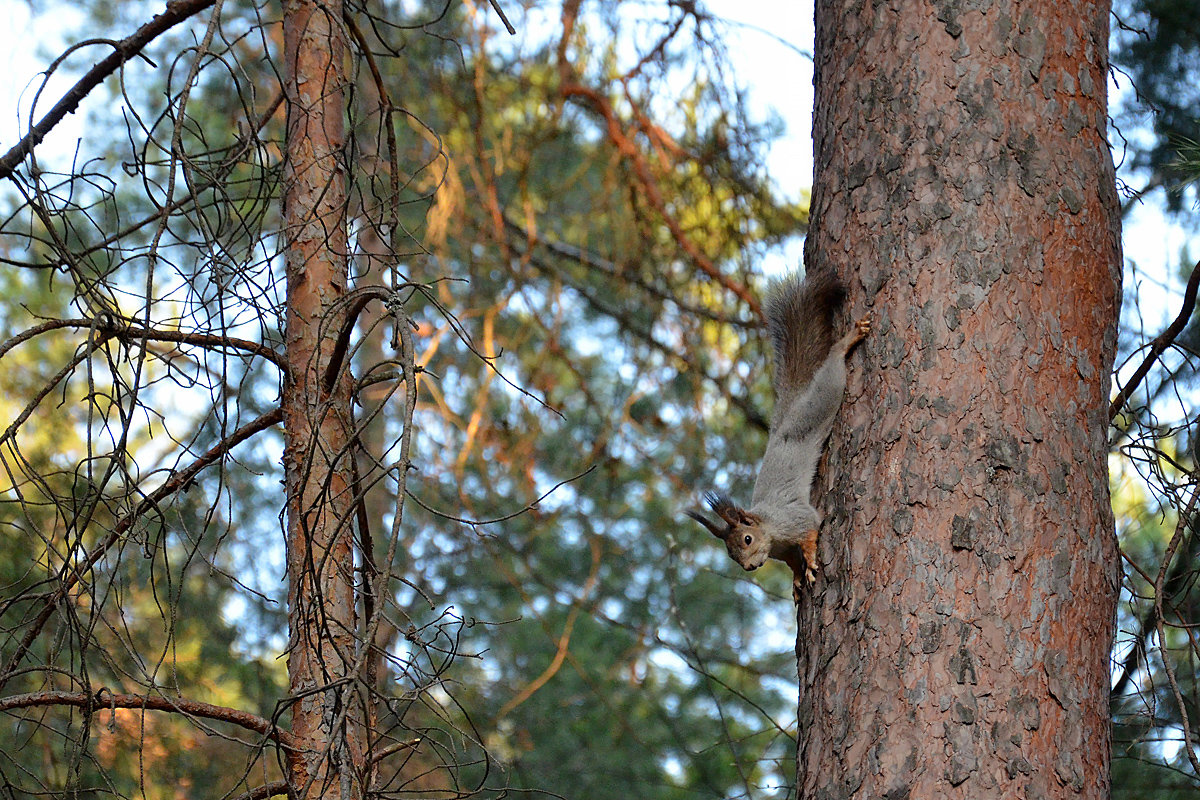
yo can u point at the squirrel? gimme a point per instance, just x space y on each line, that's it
809 381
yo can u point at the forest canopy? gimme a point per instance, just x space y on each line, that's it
548 337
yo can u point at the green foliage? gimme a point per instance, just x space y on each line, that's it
1157 44
594 237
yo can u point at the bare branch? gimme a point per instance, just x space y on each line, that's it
138 332
1159 585
178 480
500 13
1160 344
98 701
653 193
177 11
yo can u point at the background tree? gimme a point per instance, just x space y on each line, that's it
582 215
1156 43
958 643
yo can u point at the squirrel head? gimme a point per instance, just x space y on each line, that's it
744 533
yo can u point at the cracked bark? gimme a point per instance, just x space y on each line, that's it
957 642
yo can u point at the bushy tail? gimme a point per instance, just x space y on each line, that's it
800 318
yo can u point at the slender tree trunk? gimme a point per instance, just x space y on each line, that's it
957 644
322 652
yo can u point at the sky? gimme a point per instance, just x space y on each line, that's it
777 76
26 51
763 43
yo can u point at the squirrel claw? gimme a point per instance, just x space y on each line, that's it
810 577
862 328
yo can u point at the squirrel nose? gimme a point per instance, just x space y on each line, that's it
751 568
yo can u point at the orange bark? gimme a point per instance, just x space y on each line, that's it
957 642
329 760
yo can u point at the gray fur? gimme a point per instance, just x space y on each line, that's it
810 380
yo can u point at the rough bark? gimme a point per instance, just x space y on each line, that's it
329 754
957 643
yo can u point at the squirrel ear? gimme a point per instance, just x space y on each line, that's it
746 518
715 530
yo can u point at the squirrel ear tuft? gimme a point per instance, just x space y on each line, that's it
713 528
729 511
719 502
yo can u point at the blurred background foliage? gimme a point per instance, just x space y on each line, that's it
588 201
589 205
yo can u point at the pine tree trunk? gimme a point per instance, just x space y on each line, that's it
957 643
320 558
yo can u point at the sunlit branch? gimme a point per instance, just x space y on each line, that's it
392 749
653 193
103 699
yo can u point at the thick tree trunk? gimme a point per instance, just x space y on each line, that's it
322 651
957 644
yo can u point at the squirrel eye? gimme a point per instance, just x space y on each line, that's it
749 538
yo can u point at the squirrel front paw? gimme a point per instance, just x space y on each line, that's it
803 563
808 547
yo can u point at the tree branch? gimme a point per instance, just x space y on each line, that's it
614 272
177 481
177 11
98 701
1159 345
753 415
120 331
1159 589
653 194
1180 570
